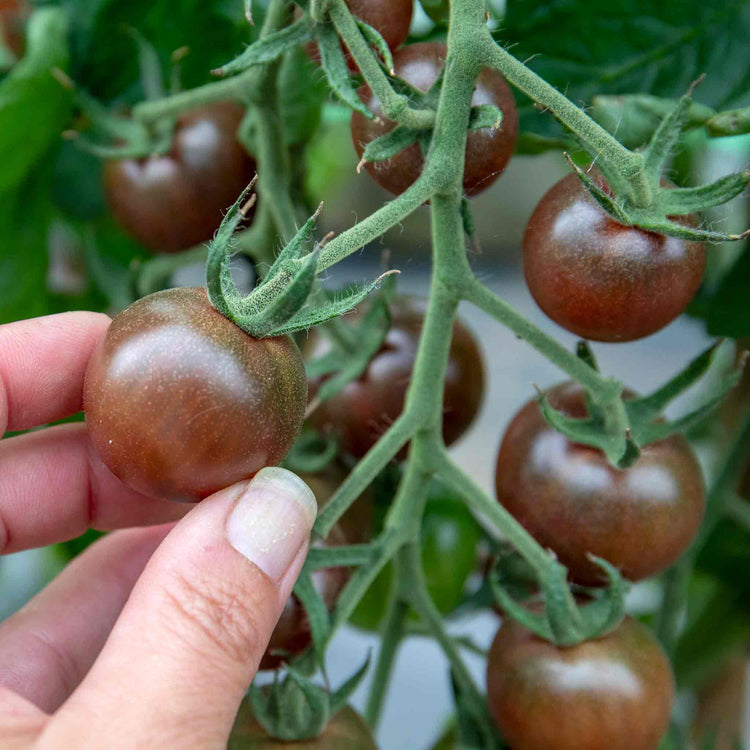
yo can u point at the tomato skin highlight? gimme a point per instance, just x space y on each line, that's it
612 693
487 152
180 402
600 279
365 408
570 499
347 730
176 201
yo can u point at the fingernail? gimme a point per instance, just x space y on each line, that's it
272 520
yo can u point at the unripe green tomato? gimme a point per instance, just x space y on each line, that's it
437 10
450 537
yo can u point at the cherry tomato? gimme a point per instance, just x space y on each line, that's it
449 541
362 411
346 731
573 501
175 201
613 693
292 634
13 17
392 18
180 402
600 279
487 151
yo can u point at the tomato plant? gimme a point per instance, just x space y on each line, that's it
610 693
641 519
193 389
363 410
600 279
173 201
488 150
180 402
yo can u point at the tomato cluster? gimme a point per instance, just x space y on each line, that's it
174 201
487 150
366 407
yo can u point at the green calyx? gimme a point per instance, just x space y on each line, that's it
563 621
664 203
637 421
295 708
284 302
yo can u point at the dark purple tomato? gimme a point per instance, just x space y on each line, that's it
175 201
600 279
364 410
392 18
612 693
292 634
180 402
487 151
570 498
345 731
13 17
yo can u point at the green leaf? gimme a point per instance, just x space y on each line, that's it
628 47
104 63
317 613
728 311
374 39
334 64
34 106
649 407
269 48
302 93
390 144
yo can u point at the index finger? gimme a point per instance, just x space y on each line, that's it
42 365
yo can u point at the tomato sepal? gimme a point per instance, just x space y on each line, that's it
486 116
268 48
334 65
375 39
295 708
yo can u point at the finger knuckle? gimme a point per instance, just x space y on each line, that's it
218 615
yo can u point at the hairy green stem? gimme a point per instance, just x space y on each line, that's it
627 163
395 106
375 225
672 610
391 636
603 390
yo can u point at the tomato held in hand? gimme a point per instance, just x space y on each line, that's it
600 279
175 201
613 693
345 731
365 408
487 151
573 501
180 402
292 634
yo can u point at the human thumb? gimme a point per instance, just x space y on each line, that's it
189 640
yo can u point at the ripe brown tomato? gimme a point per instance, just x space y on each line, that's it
180 402
600 279
488 151
13 17
570 499
392 18
292 634
360 413
175 201
345 731
612 693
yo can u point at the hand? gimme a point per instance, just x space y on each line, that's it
151 637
